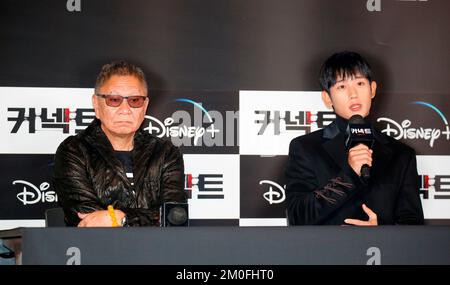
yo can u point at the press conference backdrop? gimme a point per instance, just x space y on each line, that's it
231 83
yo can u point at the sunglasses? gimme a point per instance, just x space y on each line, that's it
116 100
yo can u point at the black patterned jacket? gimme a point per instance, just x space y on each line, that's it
88 176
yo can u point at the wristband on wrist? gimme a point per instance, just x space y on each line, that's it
112 214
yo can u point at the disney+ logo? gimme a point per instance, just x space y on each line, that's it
32 194
276 194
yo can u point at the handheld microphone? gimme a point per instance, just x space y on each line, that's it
358 131
174 214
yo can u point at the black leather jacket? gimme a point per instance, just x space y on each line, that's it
88 176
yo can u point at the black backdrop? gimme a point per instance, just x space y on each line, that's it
208 51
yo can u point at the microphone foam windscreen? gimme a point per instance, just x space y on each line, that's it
356 119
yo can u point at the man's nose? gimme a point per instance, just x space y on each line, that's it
124 107
353 93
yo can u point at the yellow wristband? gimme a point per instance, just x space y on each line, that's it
113 216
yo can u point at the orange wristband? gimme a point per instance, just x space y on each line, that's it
113 216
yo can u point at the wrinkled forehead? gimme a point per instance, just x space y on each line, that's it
124 85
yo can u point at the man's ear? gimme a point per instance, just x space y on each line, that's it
327 99
373 89
95 105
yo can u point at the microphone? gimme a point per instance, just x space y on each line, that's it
358 131
174 214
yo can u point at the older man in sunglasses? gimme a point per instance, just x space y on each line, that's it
114 173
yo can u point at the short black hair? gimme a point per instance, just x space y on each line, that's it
121 68
343 64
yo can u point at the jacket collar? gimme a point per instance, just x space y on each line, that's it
334 144
332 130
97 139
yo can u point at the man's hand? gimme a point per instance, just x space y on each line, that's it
358 156
99 218
373 221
